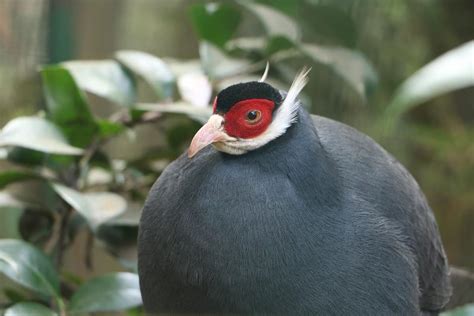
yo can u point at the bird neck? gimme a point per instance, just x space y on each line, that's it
299 155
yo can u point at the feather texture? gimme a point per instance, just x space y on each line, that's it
320 221
286 114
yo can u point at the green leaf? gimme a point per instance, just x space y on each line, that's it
37 134
67 107
109 128
130 218
8 201
151 68
28 266
180 67
215 22
199 114
329 23
466 310
451 71
278 43
34 158
11 214
250 44
349 64
12 176
3 153
14 295
29 308
289 7
95 207
195 89
99 176
34 194
27 157
275 22
218 65
112 292
105 78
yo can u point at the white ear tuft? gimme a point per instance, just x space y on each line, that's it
265 73
298 84
287 113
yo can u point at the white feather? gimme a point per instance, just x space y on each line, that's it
265 73
283 118
286 114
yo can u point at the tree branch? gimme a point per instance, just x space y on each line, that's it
62 234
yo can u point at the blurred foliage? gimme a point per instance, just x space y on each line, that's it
467 310
84 164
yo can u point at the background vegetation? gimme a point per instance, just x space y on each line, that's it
82 141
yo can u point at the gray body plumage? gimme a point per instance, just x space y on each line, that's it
320 220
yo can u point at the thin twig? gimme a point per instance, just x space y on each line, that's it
62 235
53 241
88 260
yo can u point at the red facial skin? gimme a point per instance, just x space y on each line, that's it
237 124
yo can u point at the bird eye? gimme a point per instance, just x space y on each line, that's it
254 116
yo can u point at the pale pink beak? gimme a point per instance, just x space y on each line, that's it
211 132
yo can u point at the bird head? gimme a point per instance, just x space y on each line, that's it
246 116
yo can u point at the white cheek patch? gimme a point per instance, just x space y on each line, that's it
285 115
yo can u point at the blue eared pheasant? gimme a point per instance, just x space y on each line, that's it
288 213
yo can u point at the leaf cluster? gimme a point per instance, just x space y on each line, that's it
84 164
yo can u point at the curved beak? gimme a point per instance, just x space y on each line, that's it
210 133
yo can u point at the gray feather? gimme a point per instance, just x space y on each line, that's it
320 220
